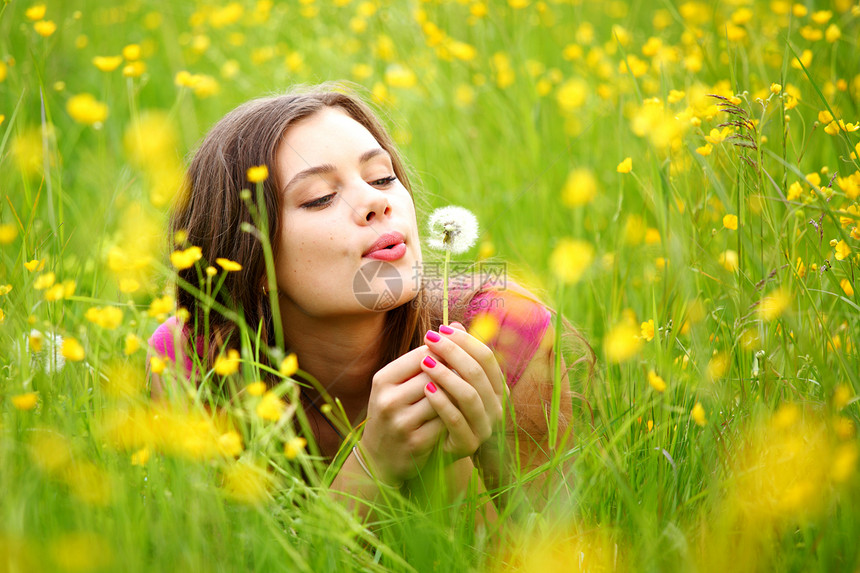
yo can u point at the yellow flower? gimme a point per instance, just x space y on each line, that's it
211 271
84 108
730 222
775 88
846 287
8 232
131 52
484 327
622 342
26 401
36 12
230 444
132 344
127 285
107 63
294 447
258 174
656 382
705 150
43 281
572 94
773 305
570 259
271 407
134 69
183 259
648 330
718 365
843 251
256 388
109 317
45 28
226 365
290 365
625 166
141 456
160 307
228 265
35 265
698 414
398 76
157 364
5 289
580 188
72 350
675 96
246 483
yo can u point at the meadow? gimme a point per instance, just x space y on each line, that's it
679 179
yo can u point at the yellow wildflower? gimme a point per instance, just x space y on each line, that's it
843 251
773 305
72 350
131 52
271 407
43 281
656 382
230 444
8 232
730 222
775 88
45 28
622 342
36 12
258 174
698 414
290 365
26 401
648 330
570 259
228 265
157 364
625 166
580 188
256 388
227 365
294 447
35 265
84 108
705 150
132 344
846 287
183 259
107 63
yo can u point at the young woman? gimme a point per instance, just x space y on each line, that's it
337 202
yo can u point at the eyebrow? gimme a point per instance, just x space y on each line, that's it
329 168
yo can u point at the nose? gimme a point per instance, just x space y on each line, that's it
372 205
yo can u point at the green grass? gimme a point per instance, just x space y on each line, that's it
768 482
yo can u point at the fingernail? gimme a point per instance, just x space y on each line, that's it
445 329
429 362
431 386
433 337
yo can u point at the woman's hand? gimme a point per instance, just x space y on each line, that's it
472 388
402 427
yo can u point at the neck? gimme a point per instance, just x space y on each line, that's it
342 353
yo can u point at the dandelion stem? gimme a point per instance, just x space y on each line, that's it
445 285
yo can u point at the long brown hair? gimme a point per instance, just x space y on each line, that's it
211 212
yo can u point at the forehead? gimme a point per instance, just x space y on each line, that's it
329 136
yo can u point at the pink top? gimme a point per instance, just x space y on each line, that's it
520 324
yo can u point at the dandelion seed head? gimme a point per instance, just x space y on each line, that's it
452 228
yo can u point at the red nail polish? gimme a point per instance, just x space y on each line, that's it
429 362
433 337
431 387
445 329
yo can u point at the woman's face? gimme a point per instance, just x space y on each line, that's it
349 239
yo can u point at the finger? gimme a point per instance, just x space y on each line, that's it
461 438
402 368
482 372
466 397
